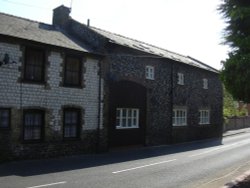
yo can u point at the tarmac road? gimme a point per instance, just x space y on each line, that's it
209 163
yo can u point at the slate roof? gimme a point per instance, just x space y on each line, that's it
44 33
151 49
38 32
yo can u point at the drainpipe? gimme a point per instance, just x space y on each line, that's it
99 107
171 100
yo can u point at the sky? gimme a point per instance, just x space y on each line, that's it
188 27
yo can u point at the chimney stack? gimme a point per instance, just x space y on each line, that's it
61 16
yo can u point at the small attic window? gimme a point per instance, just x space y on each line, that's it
150 72
180 78
205 83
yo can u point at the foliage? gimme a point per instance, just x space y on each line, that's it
236 69
230 107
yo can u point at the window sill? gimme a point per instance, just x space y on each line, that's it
71 139
125 128
180 84
33 141
152 79
73 86
181 126
33 82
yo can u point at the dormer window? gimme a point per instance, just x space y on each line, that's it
150 72
180 80
205 83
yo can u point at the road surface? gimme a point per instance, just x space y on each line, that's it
204 164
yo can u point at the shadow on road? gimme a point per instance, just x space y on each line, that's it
46 166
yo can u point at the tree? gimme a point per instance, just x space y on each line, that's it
236 69
230 107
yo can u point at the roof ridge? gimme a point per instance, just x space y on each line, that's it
152 45
114 33
22 18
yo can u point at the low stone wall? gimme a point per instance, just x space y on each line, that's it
48 149
236 123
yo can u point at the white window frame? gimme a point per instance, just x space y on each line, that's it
180 77
150 72
179 117
127 118
205 83
204 117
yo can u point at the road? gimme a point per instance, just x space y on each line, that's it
203 164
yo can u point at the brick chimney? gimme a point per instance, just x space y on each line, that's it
61 15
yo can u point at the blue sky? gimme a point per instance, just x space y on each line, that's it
188 27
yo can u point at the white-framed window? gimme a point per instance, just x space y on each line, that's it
205 83
179 117
150 72
180 77
127 118
204 117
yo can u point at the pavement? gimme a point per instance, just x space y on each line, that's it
244 175
235 132
235 183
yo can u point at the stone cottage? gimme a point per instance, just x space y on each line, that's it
51 91
70 88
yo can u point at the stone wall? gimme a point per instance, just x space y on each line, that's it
124 63
83 33
193 96
51 97
234 123
163 93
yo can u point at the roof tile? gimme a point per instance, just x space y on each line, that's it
38 32
154 50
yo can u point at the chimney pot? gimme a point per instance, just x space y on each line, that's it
88 22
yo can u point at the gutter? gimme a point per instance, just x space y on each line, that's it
203 64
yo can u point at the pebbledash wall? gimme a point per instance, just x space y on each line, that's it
51 97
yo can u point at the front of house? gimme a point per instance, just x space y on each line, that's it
155 101
50 91
69 88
